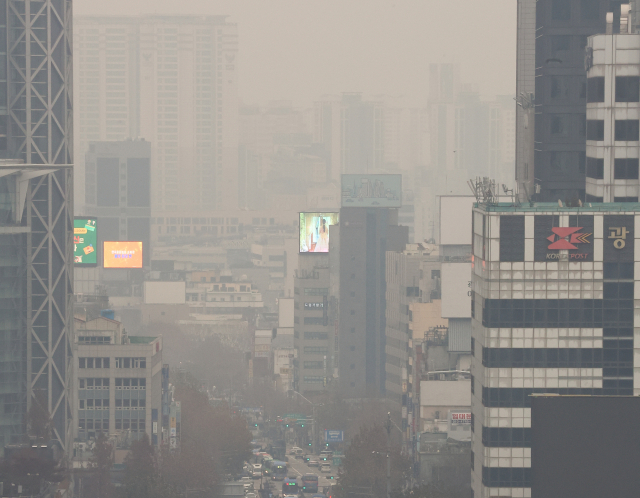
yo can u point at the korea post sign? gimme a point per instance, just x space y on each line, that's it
85 241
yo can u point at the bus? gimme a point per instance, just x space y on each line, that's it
290 486
276 470
309 483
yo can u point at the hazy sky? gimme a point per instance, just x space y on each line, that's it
300 49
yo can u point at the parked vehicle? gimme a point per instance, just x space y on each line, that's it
313 463
325 467
257 470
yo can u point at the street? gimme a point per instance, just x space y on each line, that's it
298 467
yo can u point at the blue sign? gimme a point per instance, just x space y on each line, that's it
334 436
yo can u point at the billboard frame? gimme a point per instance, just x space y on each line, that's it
104 252
96 247
318 213
370 201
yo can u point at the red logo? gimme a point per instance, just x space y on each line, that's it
566 237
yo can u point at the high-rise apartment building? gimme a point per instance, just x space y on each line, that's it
36 226
551 87
553 308
173 81
352 132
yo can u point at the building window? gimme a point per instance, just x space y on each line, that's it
627 89
313 320
131 383
595 129
313 380
316 291
473 346
93 362
311 365
560 10
626 130
625 169
94 340
590 10
472 387
131 363
315 350
595 168
316 336
595 89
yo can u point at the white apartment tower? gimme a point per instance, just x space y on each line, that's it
173 81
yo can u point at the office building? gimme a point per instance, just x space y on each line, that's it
171 80
552 92
36 227
552 312
365 236
314 328
613 110
118 191
117 382
409 279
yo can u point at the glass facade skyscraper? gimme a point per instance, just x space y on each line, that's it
36 215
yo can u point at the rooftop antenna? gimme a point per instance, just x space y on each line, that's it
484 190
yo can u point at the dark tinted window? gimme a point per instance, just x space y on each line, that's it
558 43
627 89
560 10
593 198
107 181
595 89
595 168
625 169
595 129
625 130
138 182
590 9
511 238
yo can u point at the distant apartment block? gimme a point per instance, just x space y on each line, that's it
171 80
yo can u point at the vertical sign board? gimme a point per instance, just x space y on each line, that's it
85 241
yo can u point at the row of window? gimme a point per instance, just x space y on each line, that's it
94 339
313 365
316 336
90 424
627 130
623 169
88 362
617 353
627 89
519 397
89 404
100 383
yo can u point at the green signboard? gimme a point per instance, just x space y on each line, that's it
85 241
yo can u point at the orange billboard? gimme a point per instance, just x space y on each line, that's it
122 254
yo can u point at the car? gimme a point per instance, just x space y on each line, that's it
325 467
313 463
290 496
257 471
294 450
250 495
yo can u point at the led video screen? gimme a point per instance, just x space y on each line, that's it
122 254
85 241
314 231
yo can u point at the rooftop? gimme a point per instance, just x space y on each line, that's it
587 207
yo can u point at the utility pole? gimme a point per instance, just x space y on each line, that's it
313 430
387 426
